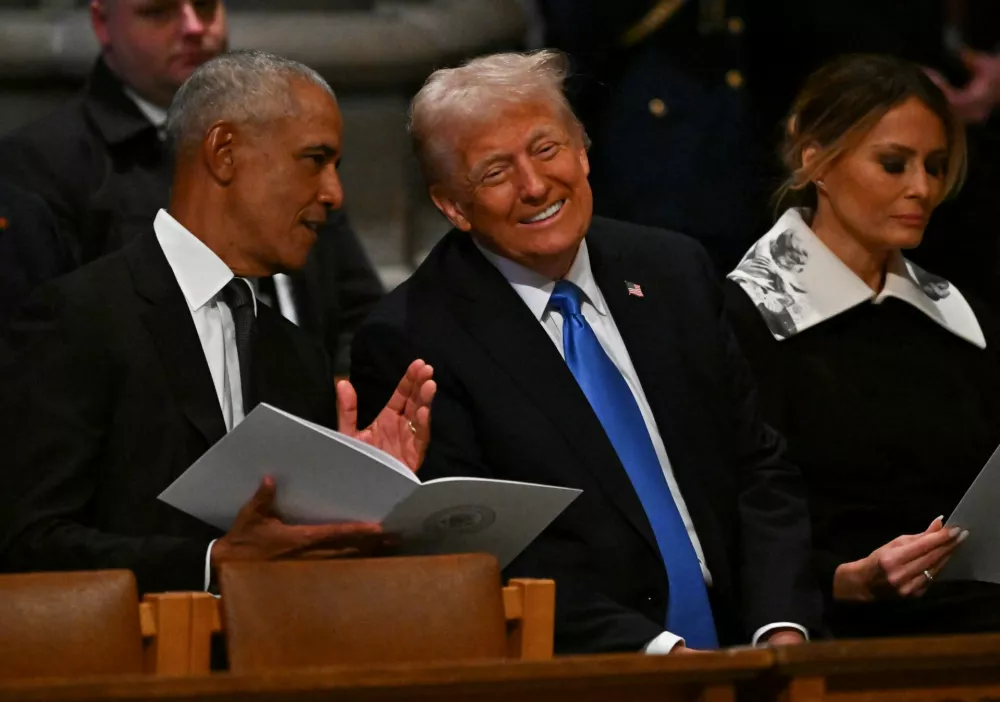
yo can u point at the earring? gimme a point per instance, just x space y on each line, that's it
820 183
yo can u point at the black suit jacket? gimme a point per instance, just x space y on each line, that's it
107 398
508 407
104 172
31 248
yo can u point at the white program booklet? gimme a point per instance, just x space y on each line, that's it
978 557
323 476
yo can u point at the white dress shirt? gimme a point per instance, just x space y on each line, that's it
154 113
535 290
202 276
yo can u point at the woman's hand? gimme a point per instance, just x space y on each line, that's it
898 569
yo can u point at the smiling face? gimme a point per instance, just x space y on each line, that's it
520 187
286 180
155 45
882 192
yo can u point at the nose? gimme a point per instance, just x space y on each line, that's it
919 186
534 188
331 190
192 24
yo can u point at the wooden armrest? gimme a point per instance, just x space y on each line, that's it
530 607
177 628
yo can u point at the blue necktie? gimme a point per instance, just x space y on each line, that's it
689 613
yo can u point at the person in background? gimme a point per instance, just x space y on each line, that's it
579 351
102 162
861 341
660 86
120 375
31 248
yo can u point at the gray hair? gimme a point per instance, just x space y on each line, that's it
239 87
474 91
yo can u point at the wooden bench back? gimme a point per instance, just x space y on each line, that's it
178 627
69 624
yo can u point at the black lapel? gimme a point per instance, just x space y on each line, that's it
169 322
648 326
307 293
498 319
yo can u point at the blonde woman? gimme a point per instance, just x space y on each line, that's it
884 378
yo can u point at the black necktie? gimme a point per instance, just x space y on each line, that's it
239 297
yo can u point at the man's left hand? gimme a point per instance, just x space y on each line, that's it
403 427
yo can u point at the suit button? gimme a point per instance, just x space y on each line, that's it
734 79
735 26
657 107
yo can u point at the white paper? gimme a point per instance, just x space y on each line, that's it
978 557
320 476
323 476
469 515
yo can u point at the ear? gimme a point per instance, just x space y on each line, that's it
99 21
584 159
810 155
218 150
449 207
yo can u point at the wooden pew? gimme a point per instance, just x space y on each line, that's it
177 627
945 669
698 678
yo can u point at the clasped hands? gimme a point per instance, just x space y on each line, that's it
401 429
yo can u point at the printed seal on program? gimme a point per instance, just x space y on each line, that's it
463 519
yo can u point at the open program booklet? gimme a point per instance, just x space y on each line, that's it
324 476
978 557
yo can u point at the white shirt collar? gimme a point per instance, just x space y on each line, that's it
154 113
536 289
200 273
797 282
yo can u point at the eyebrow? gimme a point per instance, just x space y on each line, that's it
325 149
906 149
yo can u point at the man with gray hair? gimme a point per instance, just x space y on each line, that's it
101 164
120 375
579 351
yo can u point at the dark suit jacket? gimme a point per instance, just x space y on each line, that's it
107 398
32 249
508 407
104 172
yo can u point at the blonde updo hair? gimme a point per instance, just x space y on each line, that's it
841 102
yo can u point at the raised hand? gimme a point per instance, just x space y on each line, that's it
976 99
259 534
403 427
901 567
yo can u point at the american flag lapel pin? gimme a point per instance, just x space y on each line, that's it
633 288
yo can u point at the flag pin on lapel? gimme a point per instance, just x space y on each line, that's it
633 288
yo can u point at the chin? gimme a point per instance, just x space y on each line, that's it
905 238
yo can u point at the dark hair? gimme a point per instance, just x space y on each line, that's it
843 101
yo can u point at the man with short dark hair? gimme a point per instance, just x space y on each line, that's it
121 374
101 162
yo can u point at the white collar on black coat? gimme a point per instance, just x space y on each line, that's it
797 282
